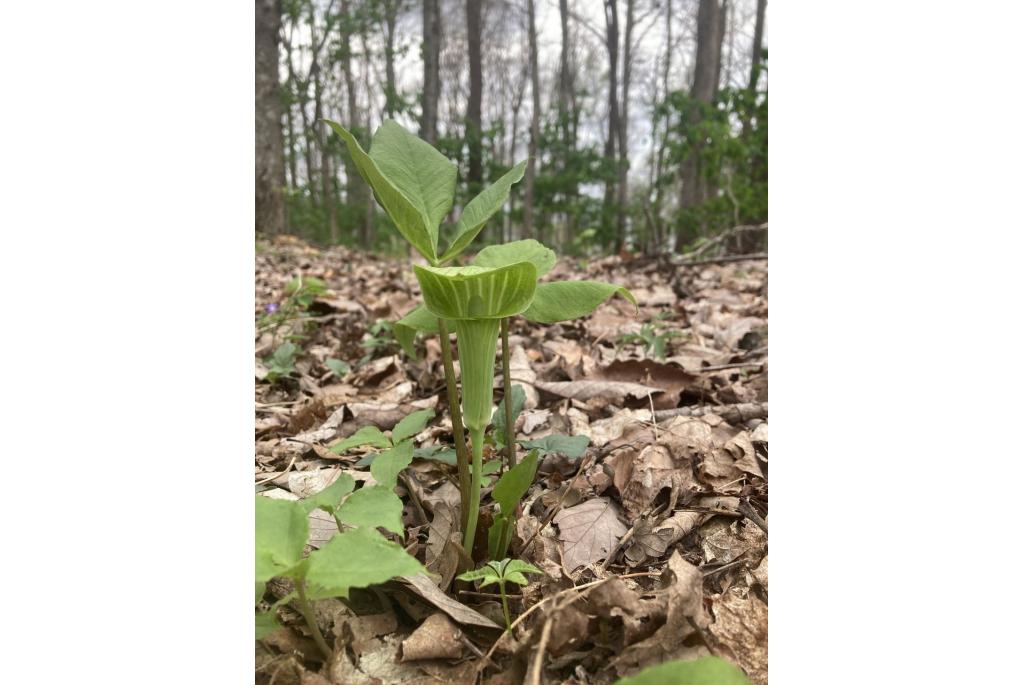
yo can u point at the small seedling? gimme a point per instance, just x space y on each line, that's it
338 367
501 572
653 336
282 362
379 338
706 670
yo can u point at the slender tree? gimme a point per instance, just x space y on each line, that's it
270 180
755 62
611 20
529 198
431 69
474 125
627 64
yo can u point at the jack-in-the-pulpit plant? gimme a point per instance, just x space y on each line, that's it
415 184
501 572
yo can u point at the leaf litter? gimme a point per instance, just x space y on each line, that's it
652 540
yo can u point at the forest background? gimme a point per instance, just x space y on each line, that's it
645 121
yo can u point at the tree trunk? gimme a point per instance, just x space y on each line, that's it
529 200
291 156
660 237
620 240
431 69
566 115
755 63
357 193
473 115
611 19
391 91
270 181
710 18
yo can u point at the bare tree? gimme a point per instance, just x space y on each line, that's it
531 166
755 62
270 180
611 20
473 107
710 32
431 69
624 130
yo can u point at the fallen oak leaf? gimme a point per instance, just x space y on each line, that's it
590 389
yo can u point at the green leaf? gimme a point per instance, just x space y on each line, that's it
478 574
445 455
475 292
411 425
498 418
330 497
266 623
356 558
513 485
419 320
367 435
496 535
261 588
489 467
281 532
520 566
573 446
529 250
372 506
338 367
707 670
409 220
566 300
386 467
480 209
418 170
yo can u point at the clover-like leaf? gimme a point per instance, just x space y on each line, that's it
572 446
367 435
386 467
356 558
476 292
480 209
411 425
371 507
528 250
281 532
567 300
706 670
330 497
418 170
410 221
515 569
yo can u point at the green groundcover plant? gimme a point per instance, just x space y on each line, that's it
415 184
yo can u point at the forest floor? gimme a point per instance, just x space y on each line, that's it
663 517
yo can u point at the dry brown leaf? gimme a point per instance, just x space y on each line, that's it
425 588
672 379
740 631
385 415
588 531
606 430
435 638
584 390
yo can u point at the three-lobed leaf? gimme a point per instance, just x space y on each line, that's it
411 425
330 497
367 435
567 300
386 467
529 250
371 507
410 220
356 558
418 171
281 532
480 209
475 292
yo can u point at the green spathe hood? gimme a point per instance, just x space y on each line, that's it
476 292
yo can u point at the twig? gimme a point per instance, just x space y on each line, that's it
733 413
278 475
415 499
622 543
542 647
488 595
752 514
723 367
575 588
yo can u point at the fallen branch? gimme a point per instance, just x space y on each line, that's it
726 259
733 413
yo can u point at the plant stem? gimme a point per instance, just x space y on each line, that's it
510 430
476 436
461 455
307 613
504 605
